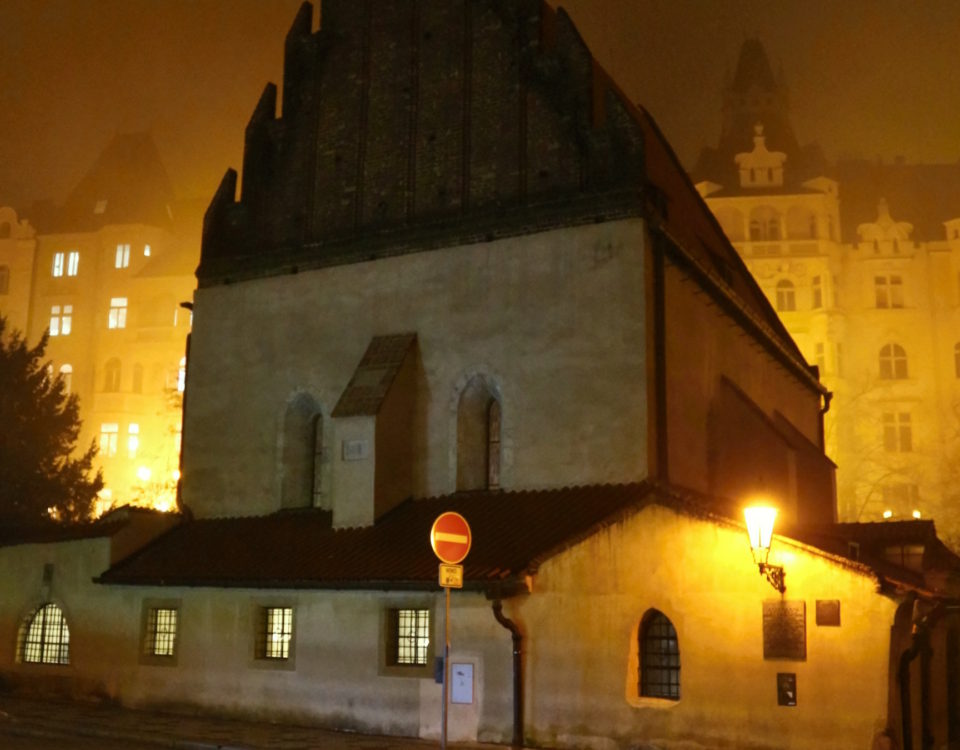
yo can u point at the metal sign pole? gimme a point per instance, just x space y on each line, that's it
446 672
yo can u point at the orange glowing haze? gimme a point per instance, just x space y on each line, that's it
867 78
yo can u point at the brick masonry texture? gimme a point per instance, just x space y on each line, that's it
421 123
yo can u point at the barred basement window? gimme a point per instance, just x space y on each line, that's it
45 637
659 657
161 636
274 632
410 637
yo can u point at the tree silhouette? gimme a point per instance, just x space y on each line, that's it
40 477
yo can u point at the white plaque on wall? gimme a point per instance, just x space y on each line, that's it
355 450
461 683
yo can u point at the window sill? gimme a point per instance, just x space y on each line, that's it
661 704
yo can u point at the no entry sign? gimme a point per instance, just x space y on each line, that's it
450 537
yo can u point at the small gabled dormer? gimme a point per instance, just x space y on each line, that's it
760 168
885 236
373 433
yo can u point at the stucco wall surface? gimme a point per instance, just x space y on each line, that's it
583 618
554 320
336 675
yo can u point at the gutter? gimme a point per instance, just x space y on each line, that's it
517 636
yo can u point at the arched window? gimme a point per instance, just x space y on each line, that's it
45 637
764 224
786 296
956 359
478 437
302 452
659 657
893 362
66 372
111 375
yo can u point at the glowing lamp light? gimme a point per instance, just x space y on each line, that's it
175 474
143 473
916 514
888 514
760 520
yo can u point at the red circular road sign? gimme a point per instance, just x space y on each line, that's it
450 537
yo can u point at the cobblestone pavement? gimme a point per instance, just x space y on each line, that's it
78 725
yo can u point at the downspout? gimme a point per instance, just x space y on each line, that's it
920 646
517 636
827 397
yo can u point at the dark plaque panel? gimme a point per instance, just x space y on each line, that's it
785 630
828 612
786 689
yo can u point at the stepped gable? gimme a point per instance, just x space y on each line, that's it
756 96
413 125
127 184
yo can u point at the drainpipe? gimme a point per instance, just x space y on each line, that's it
920 646
517 636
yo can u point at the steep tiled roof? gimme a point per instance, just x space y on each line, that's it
127 184
374 375
512 532
925 195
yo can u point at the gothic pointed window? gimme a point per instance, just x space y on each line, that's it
659 657
302 449
479 429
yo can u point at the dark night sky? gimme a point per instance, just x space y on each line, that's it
867 78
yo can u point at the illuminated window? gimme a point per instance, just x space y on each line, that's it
182 375
100 206
888 291
274 633
45 637
111 375
58 259
122 259
478 437
73 262
409 644
786 296
4 279
61 320
109 433
118 313
817 301
66 372
893 362
160 635
146 251
133 439
897 432
659 652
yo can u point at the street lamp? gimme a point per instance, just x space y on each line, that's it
760 530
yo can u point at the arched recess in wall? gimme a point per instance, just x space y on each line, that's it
301 453
764 224
479 436
801 223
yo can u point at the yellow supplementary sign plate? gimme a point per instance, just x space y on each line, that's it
451 576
